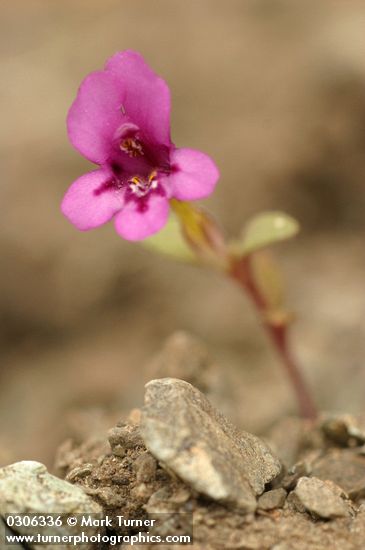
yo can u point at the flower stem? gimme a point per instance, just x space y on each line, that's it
204 237
240 272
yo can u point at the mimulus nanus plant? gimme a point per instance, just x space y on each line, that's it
120 120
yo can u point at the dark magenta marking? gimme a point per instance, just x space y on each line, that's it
104 187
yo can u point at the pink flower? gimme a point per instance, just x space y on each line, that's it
120 120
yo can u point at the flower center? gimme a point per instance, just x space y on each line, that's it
141 186
132 147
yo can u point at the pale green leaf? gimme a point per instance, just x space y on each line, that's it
170 241
265 229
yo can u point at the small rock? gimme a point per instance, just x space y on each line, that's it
124 437
345 468
180 496
182 429
145 466
320 498
27 487
272 499
345 429
79 472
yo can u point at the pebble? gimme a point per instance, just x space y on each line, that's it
272 499
345 429
321 498
345 468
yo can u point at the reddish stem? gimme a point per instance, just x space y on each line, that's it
278 333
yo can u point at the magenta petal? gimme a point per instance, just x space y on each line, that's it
135 224
146 97
194 175
90 201
95 115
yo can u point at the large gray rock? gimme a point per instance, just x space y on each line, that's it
182 430
27 488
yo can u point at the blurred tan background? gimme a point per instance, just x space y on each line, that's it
274 91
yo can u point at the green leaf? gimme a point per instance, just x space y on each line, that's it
265 229
170 242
